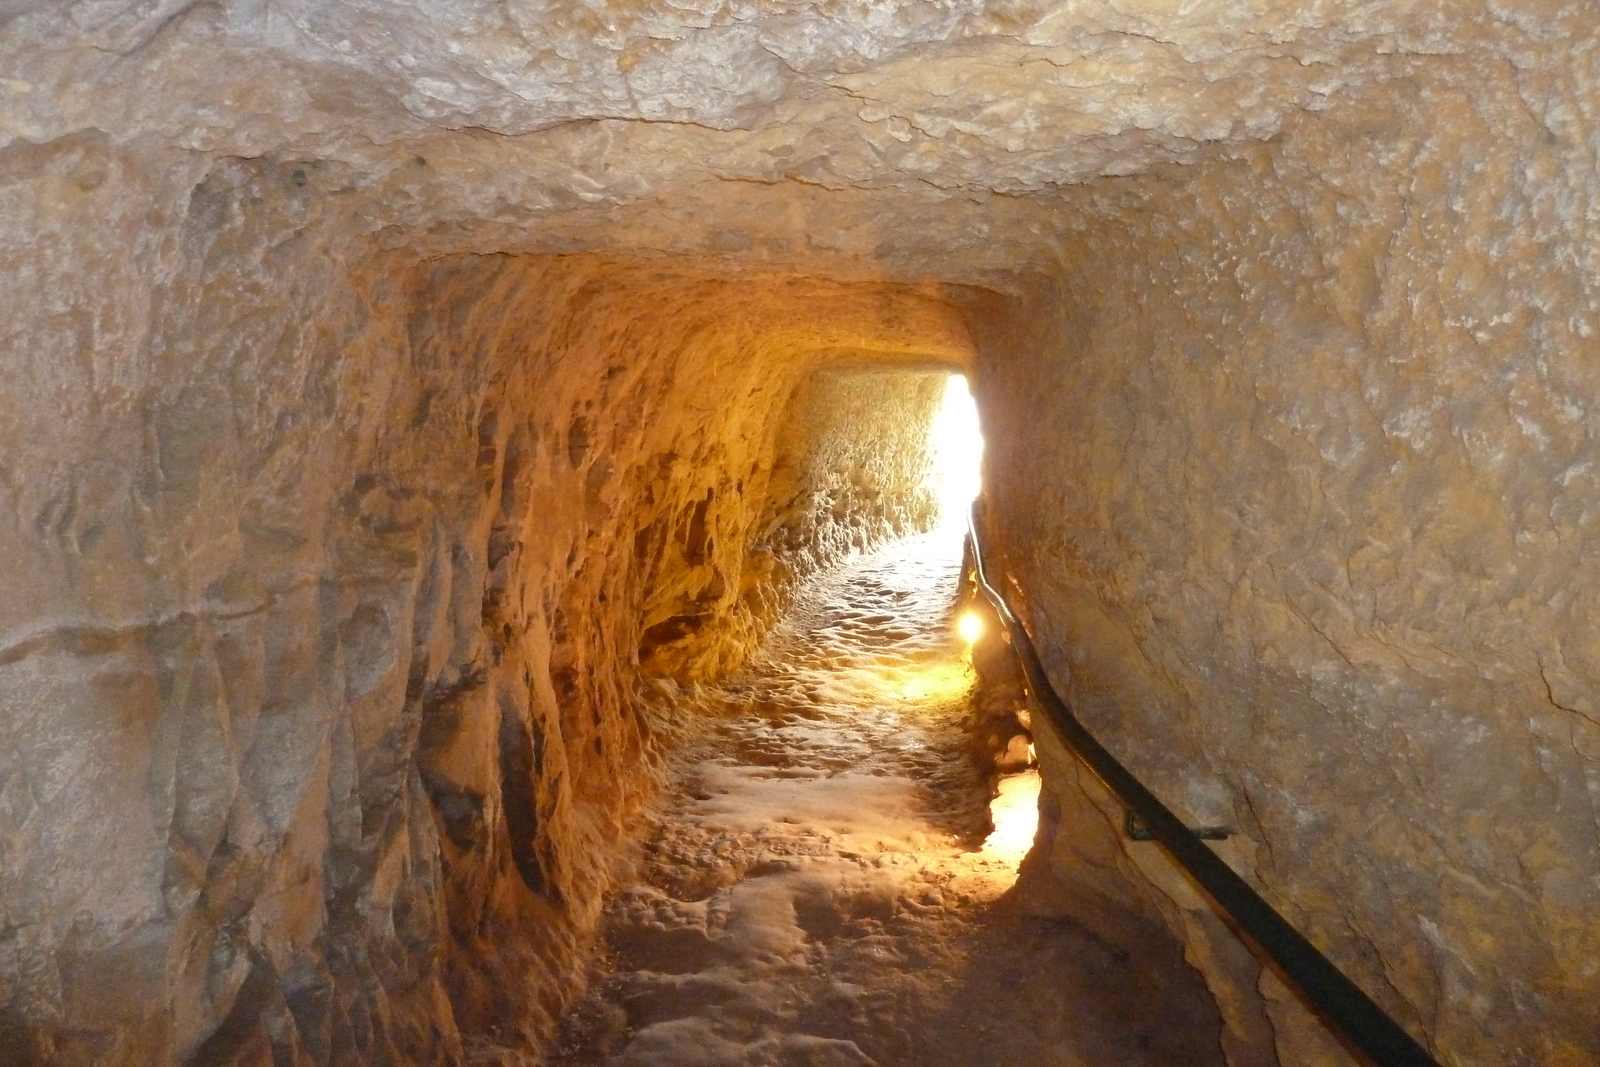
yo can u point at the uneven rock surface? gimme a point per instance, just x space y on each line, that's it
836 489
1294 469
319 680
387 386
816 893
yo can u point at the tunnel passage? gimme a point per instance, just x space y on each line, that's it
1282 318
398 736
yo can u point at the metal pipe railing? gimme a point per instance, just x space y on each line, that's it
1341 1003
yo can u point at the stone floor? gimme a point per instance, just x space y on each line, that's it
823 888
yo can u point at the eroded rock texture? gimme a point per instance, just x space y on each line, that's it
1309 535
386 385
319 679
836 489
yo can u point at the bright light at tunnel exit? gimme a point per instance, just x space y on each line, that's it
955 451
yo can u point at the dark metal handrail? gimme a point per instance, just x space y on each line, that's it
1340 1001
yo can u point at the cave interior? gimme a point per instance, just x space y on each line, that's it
412 409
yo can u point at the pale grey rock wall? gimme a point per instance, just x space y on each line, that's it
1294 464
892 93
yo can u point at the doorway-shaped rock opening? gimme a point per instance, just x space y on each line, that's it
852 463
665 452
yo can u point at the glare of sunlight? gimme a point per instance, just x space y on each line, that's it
930 682
936 682
1016 817
955 452
970 627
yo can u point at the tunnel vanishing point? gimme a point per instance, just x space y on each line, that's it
399 396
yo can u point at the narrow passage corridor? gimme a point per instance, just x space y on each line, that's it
822 886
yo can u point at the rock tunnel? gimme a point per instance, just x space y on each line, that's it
402 401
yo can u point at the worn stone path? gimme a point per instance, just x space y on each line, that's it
820 892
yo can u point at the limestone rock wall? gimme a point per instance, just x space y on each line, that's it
329 571
1294 466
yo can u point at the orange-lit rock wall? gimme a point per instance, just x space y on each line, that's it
1295 464
329 571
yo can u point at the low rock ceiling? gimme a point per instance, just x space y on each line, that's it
473 120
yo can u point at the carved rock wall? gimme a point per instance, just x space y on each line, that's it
331 570
1295 467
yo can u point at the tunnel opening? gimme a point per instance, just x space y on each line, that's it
833 819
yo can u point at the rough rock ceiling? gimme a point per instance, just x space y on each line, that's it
548 111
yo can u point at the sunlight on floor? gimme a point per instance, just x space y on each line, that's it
935 681
955 448
1016 817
